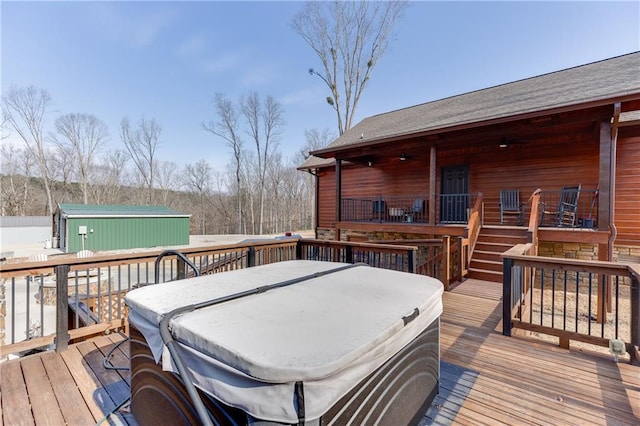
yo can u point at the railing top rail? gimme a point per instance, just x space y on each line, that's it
427 241
614 268
33 268
517 250
371 245
46 267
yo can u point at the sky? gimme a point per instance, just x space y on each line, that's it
166 60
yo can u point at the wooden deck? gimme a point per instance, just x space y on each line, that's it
486 378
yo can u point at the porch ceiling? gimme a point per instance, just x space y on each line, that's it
521 131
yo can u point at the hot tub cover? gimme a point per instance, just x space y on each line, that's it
327 332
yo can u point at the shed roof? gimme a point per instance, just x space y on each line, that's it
596 83
100 210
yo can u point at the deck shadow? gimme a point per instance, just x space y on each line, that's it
455 384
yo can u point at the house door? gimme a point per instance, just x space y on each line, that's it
454 194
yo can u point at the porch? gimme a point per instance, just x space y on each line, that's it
486 378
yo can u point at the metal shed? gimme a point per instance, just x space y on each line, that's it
111 227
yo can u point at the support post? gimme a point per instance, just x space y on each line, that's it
62 307
338 190
432 185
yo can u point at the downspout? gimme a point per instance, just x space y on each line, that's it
612 179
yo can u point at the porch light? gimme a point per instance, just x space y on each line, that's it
403 157
369 163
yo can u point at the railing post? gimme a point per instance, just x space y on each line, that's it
181 272
635 318
62 307
298 250
507 265
446 261
412 260
251 257
348 254
461 258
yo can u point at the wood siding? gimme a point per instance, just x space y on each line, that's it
548 164
627 215
326 198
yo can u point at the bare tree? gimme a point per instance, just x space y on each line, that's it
16 164
142 145
24 110
61 166
84 135
315 139
227 127
349 37
167 179
266 122
108 178
197 180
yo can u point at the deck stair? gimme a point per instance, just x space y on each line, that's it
486 263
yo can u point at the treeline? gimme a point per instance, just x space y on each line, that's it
259 192
290 211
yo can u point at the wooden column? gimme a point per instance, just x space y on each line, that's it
604 180
432 186
316 206
338 197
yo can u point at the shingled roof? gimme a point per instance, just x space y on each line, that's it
595 83
104 210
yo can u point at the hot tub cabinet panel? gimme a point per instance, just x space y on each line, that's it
399 392
336 344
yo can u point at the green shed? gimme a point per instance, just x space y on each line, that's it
112 227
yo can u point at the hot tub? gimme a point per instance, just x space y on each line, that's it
330 342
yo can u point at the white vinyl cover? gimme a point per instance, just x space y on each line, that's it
329 332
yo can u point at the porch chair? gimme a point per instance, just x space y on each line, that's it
566 213
84 253
379 209
417 209
510 205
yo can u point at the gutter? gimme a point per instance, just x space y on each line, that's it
612 178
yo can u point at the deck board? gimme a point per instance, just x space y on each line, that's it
72 405
96 397
486 378
43 402
15 399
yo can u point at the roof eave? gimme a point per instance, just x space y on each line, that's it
330 152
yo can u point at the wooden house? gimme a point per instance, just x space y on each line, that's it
423 171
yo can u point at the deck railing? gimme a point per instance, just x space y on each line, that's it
588 301
457 208
50 303
386 208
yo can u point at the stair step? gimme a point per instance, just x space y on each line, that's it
486 265
492 276
486 255
505 239
492 247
